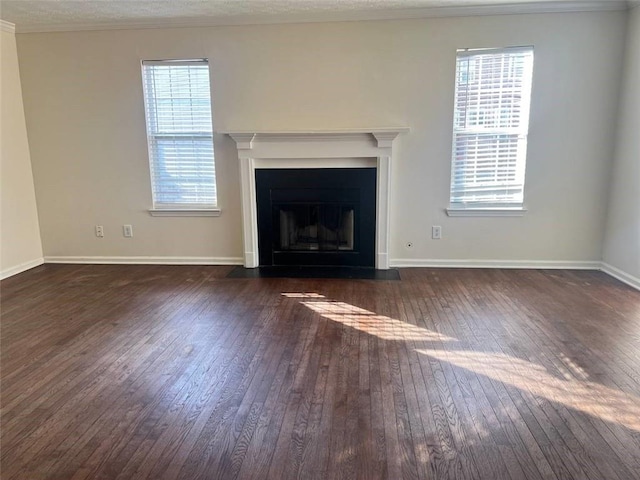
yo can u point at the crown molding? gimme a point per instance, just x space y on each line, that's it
7 26
397 14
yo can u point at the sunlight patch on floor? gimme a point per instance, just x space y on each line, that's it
573 391
303 295
363 320
587 397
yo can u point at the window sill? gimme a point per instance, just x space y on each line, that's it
486 212
185 212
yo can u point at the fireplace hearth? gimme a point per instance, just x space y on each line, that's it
313 217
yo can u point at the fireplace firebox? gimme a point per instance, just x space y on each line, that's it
316 216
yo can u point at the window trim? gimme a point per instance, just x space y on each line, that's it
488 209
486 212
185 212
179 209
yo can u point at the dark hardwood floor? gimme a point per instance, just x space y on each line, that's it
160 372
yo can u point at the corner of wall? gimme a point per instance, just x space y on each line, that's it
621 249
20 244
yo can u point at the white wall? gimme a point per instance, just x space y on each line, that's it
83 100
20 246
622 245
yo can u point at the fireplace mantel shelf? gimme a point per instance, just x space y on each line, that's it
384 136
348 148
337 132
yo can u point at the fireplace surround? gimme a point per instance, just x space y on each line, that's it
316 216
344 149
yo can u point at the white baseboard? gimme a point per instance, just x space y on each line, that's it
395 263
9 272
620 275
527 264
147 260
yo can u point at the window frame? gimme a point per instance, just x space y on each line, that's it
497 208
166 208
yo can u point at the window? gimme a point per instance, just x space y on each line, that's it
491 122
180 134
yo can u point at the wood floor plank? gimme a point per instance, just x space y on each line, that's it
581 425
177 372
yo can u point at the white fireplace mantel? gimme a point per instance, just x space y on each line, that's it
354 148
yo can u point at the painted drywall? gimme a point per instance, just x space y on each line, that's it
20 245
84 106
622 244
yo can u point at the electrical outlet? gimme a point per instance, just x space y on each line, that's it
99 231
127 231
436 232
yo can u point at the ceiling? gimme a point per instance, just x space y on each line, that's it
51 15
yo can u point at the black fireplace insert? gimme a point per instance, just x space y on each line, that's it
317 216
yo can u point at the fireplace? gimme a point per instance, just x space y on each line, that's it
300 229
310 217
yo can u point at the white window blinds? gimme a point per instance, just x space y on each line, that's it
177 96
491 121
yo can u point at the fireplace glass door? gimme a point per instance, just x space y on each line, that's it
315 227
